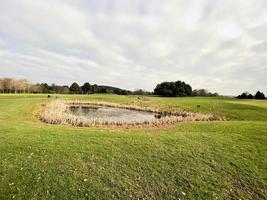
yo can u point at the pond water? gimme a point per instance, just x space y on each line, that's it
111 114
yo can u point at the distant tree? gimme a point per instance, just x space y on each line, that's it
7 85
14 87
10 85
244 95
215 94
65 89
37 88
200 92
250 96
27 85
55 88
204 93
102 90
61 89
94 88
259 95
166 89
1 86
46 88
188 89
123 92
117 91
140 92
173 89
86 88
75 88
21 86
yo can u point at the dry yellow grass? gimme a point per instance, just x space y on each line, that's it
57 112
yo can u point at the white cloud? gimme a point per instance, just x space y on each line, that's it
135 44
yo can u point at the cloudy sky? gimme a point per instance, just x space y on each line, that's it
220 45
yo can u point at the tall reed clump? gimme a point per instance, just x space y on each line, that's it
58 112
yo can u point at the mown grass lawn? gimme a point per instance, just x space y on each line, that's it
191 160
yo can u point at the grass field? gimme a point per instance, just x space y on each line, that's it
191 160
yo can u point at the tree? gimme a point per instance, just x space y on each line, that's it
37 88
10 85
173 89
94 88
188 90
61 89
86 88
102 90
53 88
200 92
1 86
250 96
140 92
45 88
20 86
244 95
65 89
124 92
204 93
259 95
166 89
75 88
7 85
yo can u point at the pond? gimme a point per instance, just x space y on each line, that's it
111 114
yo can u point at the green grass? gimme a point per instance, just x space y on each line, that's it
200 160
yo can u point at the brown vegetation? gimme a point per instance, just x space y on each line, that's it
57 112
10 85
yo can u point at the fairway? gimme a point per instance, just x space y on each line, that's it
189 160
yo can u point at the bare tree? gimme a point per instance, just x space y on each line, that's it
9 85
1 85
37 88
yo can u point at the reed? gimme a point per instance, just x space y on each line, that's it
58 112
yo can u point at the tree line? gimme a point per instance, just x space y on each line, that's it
165 89
247 95
11 85
171 89
87 88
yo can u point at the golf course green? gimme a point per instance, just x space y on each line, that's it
189 160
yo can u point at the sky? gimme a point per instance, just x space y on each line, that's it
220 45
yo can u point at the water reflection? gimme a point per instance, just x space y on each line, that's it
111 114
